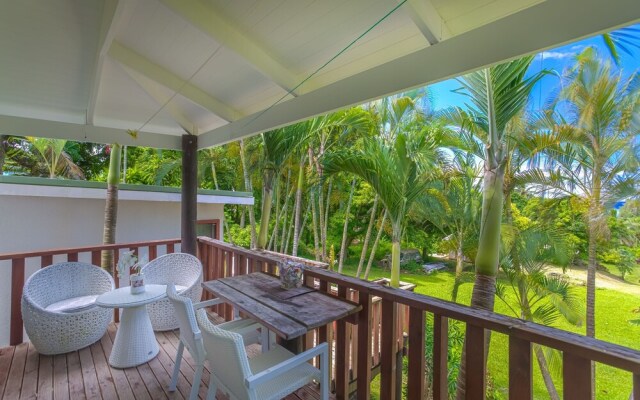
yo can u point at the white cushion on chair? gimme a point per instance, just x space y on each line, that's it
73 304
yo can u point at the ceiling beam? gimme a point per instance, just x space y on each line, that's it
114 14
428 20
19 126
204 17
542 26
161 97
157 73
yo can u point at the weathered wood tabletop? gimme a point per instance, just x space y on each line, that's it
290 313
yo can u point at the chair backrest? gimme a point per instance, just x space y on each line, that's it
178 268
66 280
189 331
227 357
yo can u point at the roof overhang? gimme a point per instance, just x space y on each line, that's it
223 70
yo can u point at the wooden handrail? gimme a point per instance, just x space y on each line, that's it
86 249
594 349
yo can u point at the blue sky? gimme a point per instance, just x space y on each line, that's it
557 59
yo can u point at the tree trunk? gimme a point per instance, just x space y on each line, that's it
325 225
276 207
286 213
344 246
314 220
323 232
375 245
298 206
266 208
3 151
111 206
249 188
225 223
243 212
367 237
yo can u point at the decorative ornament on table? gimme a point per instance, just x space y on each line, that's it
290 274
129 262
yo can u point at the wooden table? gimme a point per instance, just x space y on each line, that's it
289 313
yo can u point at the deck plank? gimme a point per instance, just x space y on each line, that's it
133 376
89 378
120 380
150 381
74 371
45 378
103 372
6 355
168 364
14 383
60 378
30 378
187 366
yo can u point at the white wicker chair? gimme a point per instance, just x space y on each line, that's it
191 337
185 272
58 307
270 375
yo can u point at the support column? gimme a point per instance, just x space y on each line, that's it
189 201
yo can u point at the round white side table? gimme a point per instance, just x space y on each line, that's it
135 342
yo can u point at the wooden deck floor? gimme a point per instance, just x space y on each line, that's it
86 374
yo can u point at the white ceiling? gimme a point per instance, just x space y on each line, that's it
90 69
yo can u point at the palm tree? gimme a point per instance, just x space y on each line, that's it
111 205
277 146
456 211
39 157
599 158
397 165
625 40
496 95
539 297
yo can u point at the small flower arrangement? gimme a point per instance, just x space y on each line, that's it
130 262
290 274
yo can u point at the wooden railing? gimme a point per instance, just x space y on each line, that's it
45 258
353 368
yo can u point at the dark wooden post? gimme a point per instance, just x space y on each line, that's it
189 193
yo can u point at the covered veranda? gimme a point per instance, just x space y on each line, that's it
194 74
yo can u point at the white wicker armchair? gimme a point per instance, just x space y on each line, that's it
185 272
58 307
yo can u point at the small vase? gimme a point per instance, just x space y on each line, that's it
137 283
290 274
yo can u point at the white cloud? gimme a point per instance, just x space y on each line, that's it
556 55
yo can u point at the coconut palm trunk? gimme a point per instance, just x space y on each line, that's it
267 198
3 151
345 229
249 188
111 206
372 255
296 219
225 223
367 237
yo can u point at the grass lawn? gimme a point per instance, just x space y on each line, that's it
613 310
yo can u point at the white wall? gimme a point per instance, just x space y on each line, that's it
29 223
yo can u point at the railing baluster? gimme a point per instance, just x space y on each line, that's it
17 282
416 368
576 374
171 248
229 271
153 252
389 348
72 257
636 387
520 369
45 261
96 258
342 353
365 331
440 351
116 280
476 367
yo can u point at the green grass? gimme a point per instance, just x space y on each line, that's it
613 310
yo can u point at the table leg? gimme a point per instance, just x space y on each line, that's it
135 342
294 345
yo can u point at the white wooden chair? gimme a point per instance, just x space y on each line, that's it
270 375
191 337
